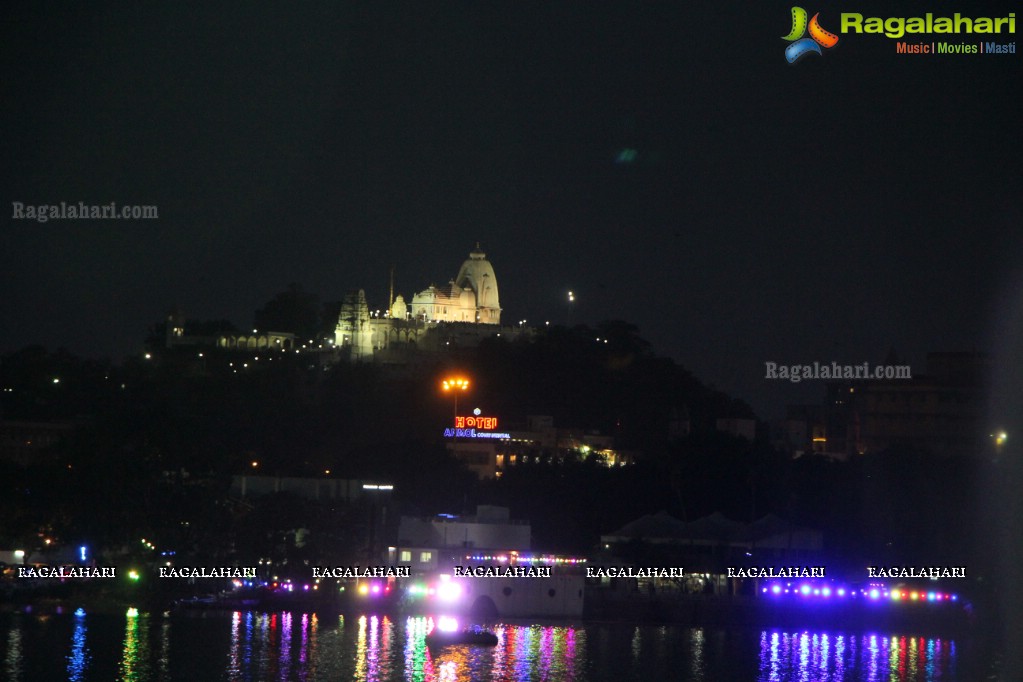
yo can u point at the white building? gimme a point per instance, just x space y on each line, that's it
471 298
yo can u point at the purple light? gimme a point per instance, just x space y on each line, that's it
764 590
375 589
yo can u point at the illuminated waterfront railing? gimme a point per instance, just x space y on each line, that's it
872 593
514 557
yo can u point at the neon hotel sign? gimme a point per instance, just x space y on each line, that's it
475 427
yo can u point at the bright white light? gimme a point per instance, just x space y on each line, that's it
448 590
447 624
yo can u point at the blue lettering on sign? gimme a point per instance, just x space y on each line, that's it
473 433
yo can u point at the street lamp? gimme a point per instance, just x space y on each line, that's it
455 385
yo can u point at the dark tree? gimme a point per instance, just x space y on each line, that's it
293 310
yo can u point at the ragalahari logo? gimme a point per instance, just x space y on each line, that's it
801 46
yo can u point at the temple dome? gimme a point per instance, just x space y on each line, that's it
477 274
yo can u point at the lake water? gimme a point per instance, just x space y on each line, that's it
265 647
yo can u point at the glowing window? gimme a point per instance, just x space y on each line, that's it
406 555
424 557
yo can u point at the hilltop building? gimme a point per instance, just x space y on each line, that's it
460 313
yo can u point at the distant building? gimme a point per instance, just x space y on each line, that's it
460 313
489 454
941 410
179 333
471 297
479 456
542 442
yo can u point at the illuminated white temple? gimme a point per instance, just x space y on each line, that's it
459 309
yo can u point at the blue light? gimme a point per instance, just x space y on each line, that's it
81 552
776 589
874 593
805 589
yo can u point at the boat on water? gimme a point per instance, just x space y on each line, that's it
447 633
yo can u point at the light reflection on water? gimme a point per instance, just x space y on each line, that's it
826 657
78 659
251 646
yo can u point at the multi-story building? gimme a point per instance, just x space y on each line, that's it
941 410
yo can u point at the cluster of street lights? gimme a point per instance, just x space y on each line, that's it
454 386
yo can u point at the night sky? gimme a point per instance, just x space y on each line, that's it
828 210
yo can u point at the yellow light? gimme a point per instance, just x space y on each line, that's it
455 383
364 589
